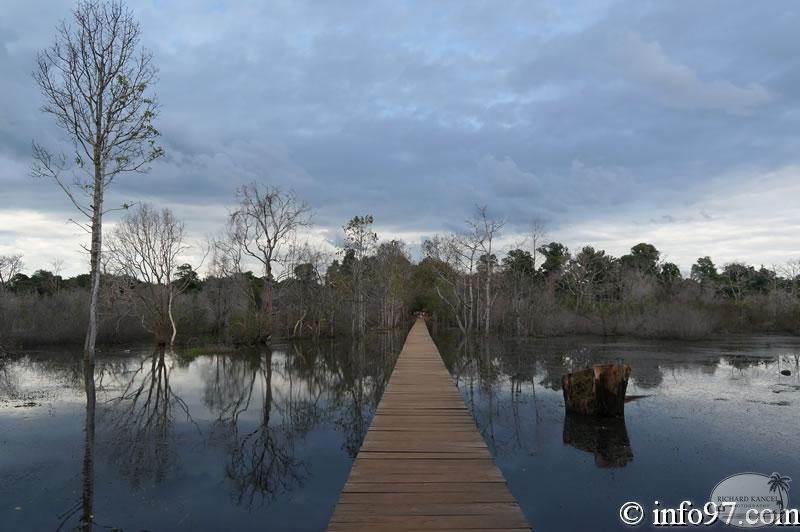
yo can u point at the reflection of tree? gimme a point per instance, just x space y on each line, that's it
262 462
353 394
523 371
8 384
84 506
140 419
297 391
646 373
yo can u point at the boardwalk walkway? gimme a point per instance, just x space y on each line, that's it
423 465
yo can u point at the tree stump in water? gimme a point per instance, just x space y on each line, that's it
597 391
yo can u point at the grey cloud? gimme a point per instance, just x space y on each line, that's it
418 111
679 86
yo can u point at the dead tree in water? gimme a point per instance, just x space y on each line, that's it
485 229
262 225
94 80
145 247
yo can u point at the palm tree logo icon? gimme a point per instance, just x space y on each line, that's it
780 485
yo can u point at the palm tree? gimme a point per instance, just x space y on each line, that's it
780 485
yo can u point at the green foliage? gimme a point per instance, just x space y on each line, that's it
187 279
518 262
642 258
555 256
704 271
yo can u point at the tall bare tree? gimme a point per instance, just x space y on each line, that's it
537 232
10 265
261 228
485 229
95 80
146 247
453 259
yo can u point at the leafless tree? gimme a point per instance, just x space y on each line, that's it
304 302
537 233
94 80
145 247
10 265
790 270
485 230
261 228
454 261
58 267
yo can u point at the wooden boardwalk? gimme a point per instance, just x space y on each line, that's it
423 465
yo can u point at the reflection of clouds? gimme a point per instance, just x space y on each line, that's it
266 403
263 463
83 509
262 420
513 386
139 420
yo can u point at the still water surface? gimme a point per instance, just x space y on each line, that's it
705 411
264 440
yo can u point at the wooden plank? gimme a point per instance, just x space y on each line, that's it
381 499
423 465
431 522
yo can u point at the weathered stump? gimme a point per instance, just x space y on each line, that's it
597 391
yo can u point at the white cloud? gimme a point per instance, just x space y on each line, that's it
748 216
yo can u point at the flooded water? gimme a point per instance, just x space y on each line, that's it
248 441
264 440
705 411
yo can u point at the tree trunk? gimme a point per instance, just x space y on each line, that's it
95 258
267 303
596 391
171 320
488 309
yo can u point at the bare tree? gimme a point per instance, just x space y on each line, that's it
58 267
790 270
145 247
485 229
453 264
261 227
537 232
94 80
10 265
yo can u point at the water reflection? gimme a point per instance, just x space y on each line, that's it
138 417
185 441
606 438
83 509
262 462
703 411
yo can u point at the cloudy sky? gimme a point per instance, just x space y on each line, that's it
616 122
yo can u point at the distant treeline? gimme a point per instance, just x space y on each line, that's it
542 290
